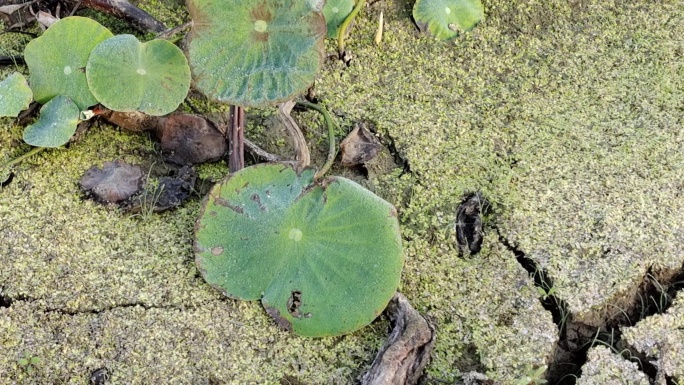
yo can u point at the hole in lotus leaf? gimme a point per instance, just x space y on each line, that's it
293 304
155 73
469 231
55 57
446 18
298 245
114 182
280 42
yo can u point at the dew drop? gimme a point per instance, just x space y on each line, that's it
67 70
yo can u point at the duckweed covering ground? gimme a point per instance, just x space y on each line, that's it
566 115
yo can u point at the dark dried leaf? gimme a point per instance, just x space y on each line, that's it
469 223
170 192
403 357
190 139
359 146
115 182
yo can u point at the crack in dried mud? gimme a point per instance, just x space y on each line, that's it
575 339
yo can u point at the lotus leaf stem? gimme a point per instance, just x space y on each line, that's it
20 158
345 25
331 136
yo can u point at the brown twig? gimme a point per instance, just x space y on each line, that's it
122 9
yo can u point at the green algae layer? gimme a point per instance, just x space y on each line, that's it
566 115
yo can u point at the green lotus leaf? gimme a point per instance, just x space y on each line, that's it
126 75
324 257
56 124
335 11
57 60
446 18
255 52
15 95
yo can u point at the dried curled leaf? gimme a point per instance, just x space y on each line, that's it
190 139
403 357
359 146
115 182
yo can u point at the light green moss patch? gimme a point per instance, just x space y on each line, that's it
603 367
661 337
218 342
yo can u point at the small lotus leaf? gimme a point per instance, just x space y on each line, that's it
255 52
57 60
324 257
335 11
446 18
56 125
15 95
126 75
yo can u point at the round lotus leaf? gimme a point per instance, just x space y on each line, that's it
255 52
335 11
324 257
57 60
15 95
126 75
56 124
446 18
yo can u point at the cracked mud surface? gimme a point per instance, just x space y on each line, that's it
567 116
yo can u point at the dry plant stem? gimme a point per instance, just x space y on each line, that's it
260 152
302 155
331 137
20 158
166 35
403 357
122 9
345 25
236 135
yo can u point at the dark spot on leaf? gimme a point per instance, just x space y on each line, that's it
261 37
115 182
225 203
469 223
255 198
282 322
261 12
294 303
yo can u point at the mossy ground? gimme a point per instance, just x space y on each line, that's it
566 115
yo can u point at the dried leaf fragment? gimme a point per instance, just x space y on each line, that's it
115 182
359 146
190 139
403 357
